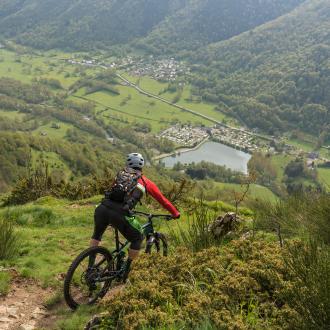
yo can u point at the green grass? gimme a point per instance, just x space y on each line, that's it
255 191
156 87
324 177
12 114
303 145
5 279
141 108
29 66
53 232
53 132
280 162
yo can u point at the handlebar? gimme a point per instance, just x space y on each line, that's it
152 216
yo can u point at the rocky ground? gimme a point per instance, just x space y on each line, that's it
22 308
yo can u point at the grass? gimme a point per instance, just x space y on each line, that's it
29 66
12 114
224 191
53 132
141 108
9 240
303 145
324 177
53 232
157 88
5 279
280 162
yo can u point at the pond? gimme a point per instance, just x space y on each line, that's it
213 152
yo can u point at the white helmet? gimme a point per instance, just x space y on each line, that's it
135 160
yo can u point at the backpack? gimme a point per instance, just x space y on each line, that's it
125 182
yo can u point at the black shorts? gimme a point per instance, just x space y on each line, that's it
110 213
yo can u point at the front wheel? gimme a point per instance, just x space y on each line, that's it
158 243
86 280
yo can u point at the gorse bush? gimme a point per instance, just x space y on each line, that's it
234 287
9 240
39 183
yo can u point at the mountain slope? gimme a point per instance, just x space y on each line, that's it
168 24
276 74
206 21
78 23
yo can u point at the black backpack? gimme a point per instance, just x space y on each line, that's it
125 182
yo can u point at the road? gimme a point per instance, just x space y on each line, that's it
157 97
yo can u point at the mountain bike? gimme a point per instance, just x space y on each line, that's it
96 269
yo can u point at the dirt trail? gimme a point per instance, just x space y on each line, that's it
22 308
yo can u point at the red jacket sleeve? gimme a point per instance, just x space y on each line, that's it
155 193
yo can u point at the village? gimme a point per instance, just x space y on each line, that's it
158 69
188 136
185 135
239 139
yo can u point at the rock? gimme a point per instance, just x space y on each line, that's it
12 310
247 235
28 326
3 310
39 311
224 225
5 320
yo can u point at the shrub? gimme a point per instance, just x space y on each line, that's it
309 288
233 287
193 234
302 215
9 240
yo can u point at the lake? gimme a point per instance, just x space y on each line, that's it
213 152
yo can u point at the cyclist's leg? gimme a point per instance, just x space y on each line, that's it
131 234
101 222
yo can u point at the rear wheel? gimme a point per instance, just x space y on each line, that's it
83 283
157 243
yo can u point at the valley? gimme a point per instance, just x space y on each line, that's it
154 106
228 103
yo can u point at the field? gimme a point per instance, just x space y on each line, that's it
158 88
324 177
27 67
131 106
280 162
226 192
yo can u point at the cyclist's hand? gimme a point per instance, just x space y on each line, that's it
177 216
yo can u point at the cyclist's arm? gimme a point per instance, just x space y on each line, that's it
155 193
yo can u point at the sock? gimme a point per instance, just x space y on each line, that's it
127 269
91 260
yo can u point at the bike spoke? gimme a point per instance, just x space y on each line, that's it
86 284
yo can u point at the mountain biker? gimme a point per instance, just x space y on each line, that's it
116 208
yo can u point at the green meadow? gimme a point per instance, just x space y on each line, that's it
133 106
26 67
324 177
158 88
